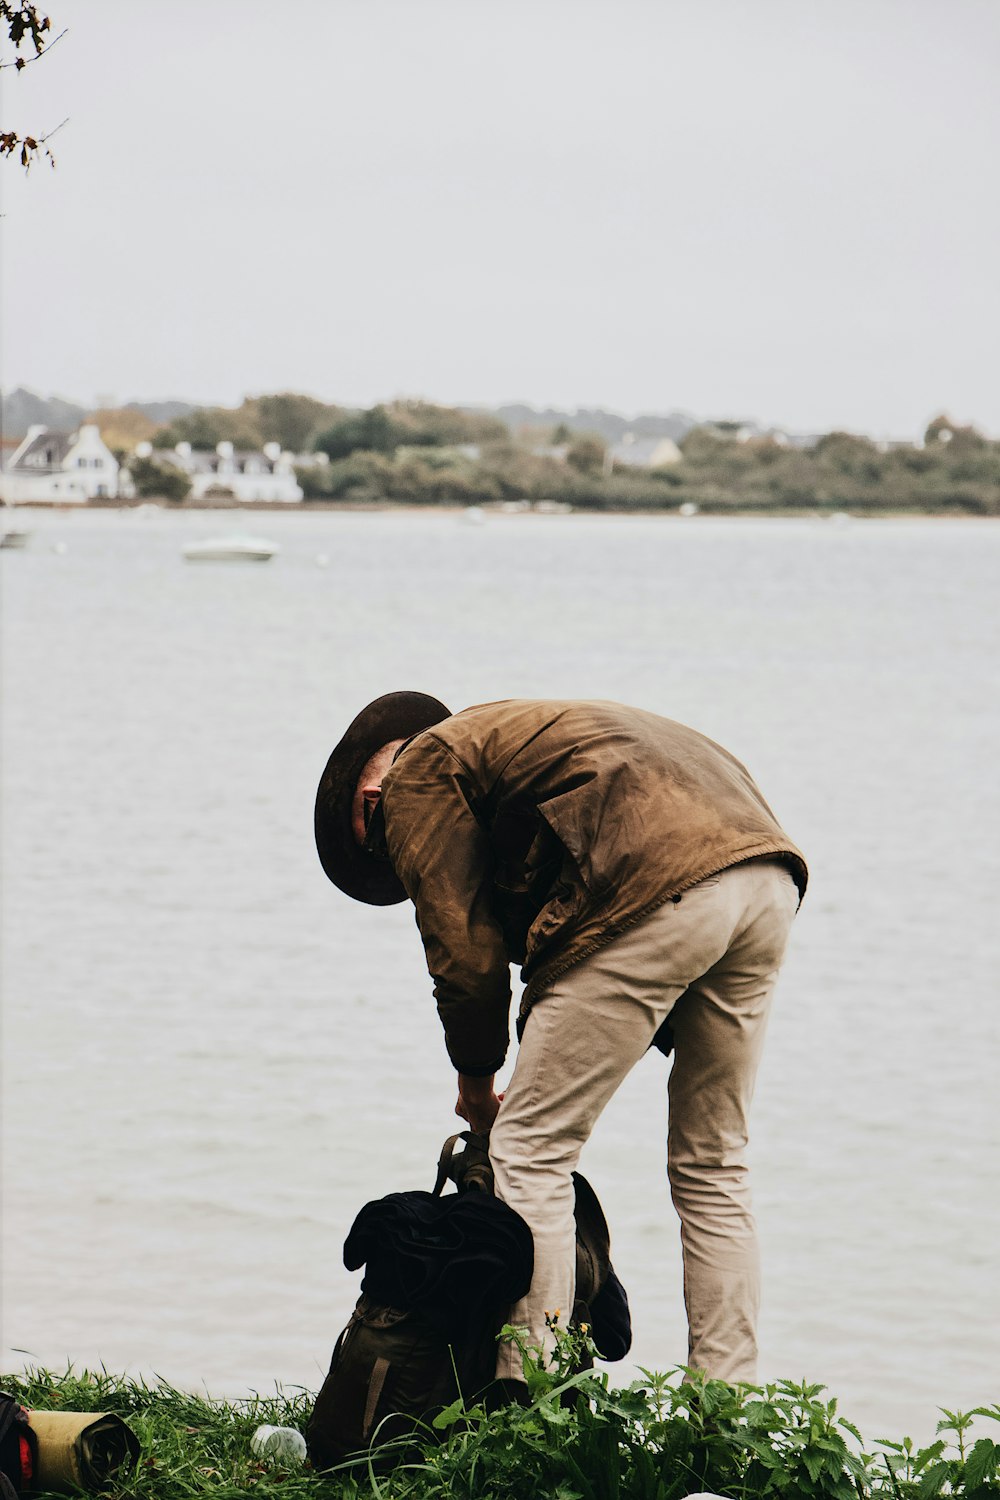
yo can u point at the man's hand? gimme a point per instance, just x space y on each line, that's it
477 1102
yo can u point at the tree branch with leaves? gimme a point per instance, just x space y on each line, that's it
26 28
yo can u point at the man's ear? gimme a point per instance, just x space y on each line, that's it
370 798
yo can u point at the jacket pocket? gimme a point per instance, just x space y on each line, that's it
561 817
556 919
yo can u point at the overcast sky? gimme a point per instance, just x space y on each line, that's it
781 210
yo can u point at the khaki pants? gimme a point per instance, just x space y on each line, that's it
709 961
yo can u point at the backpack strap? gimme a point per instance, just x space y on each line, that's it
380 1370
444 1161
471 1169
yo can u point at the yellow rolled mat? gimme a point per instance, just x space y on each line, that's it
80 1449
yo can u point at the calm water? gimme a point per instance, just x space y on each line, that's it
211 1059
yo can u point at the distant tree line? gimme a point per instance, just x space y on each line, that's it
287 418
957 470
301 424
420 453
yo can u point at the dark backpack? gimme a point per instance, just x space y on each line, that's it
18 1448
442 1274
601 1301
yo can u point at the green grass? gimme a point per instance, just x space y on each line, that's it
661 1438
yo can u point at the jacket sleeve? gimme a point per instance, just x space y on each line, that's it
445 860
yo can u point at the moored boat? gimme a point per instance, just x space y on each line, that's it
230 549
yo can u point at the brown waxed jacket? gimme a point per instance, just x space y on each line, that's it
536 831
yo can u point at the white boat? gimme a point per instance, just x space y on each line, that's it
231 549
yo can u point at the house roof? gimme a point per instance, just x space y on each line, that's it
206 461
268 465
46 450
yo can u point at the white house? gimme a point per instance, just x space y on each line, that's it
645 452
67 468
242 476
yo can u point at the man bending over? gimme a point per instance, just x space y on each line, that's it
633 869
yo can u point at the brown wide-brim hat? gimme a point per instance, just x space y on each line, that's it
394 716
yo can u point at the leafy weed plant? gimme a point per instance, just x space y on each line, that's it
663 1437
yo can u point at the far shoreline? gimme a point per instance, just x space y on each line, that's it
533 510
